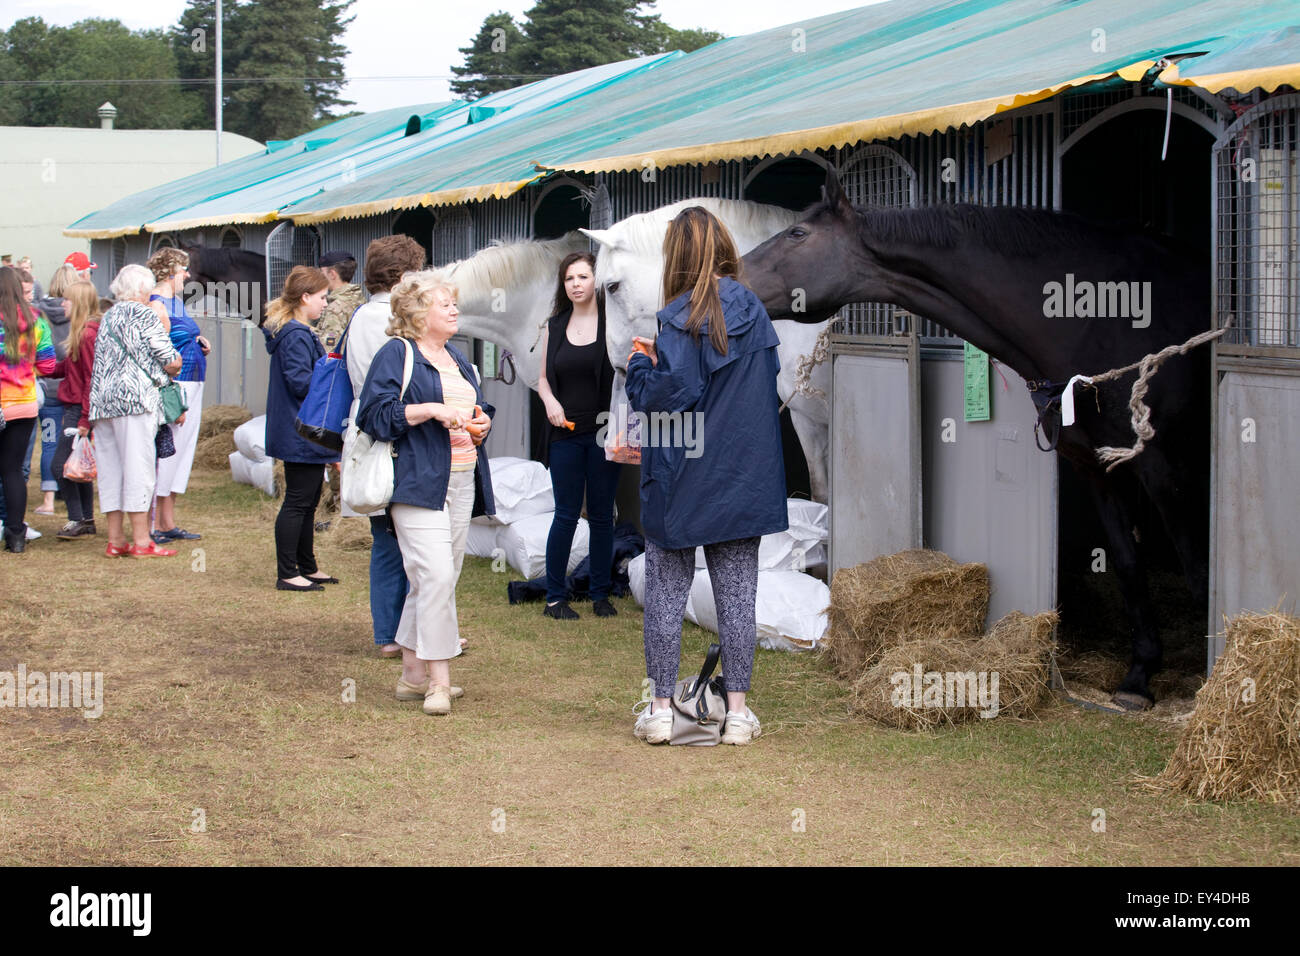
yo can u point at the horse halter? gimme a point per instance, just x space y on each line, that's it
1046 396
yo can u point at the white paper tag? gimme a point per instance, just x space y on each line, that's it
1067 399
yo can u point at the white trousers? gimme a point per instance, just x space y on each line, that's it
174 472
125 459
433 549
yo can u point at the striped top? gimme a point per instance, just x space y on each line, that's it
459 394
18 382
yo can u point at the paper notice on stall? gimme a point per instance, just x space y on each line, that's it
976 384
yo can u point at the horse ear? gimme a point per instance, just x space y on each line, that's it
834 193
601 236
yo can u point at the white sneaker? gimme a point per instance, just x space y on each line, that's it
32 533
653 728
741 728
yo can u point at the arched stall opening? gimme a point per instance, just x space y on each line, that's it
1118 168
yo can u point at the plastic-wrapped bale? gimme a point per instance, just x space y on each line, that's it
250 439
789 608
636 578
1243 739
483 539
905 596
799 547
259 474
521 489
934 681
524 543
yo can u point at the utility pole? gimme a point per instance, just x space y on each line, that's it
219 117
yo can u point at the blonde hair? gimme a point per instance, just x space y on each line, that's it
302 280
163 263
412 298
83 306
698 247
64 277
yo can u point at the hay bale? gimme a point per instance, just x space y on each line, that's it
216 440
213 453
905 596
346 534
216 419
1092 668
1243 739
918 685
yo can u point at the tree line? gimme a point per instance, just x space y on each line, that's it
283 62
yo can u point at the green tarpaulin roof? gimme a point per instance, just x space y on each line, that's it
892 69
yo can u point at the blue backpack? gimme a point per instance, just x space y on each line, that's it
321 416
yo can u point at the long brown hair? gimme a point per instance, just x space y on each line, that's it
18 316
697 249
83 306
302 280
562 300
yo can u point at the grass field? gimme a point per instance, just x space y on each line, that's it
224 705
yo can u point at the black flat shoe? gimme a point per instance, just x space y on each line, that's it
16 541
603 608
286 586
560 611
321 580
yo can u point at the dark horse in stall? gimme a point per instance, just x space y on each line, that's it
236 278
986 274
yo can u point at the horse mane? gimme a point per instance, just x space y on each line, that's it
643 234
217 258
502 264
1005 230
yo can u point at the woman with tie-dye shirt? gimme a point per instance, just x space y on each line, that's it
26 351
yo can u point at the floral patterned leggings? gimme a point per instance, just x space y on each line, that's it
733 572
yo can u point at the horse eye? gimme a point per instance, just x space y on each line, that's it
798 232
611 288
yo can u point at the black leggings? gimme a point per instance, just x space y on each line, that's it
13 449
295 525
79 496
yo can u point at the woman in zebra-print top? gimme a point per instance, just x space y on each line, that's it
133 357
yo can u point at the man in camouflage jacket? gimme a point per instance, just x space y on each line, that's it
344 297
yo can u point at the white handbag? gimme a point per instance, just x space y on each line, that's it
366 484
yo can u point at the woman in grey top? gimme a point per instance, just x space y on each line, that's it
133 358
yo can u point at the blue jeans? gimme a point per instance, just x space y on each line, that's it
578 463
388 584
51 423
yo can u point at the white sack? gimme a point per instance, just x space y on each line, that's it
259 474
520 488
524 542
250 438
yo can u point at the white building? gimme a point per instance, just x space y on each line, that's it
54 175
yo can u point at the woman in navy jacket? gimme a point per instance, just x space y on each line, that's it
294 350
441 477
712 468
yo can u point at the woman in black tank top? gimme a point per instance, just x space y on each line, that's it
575 386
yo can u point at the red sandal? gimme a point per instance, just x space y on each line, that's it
152 551
113 551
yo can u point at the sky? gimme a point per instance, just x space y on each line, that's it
401 52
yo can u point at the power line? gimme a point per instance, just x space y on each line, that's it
208 81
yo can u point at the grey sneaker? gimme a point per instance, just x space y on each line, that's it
741 728
653 728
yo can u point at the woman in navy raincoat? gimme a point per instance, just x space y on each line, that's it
712 469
